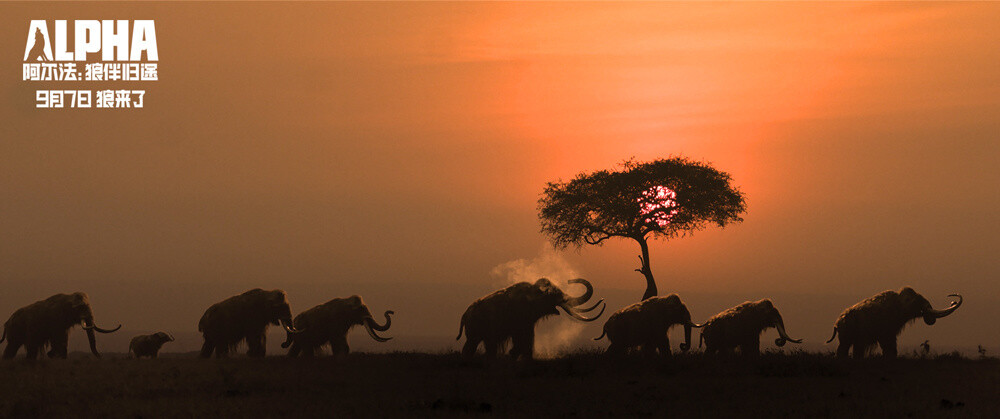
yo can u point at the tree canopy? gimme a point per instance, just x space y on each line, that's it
660 199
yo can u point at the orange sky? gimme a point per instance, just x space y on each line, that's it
397 150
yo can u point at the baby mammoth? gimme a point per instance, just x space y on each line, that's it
741 327
244 317
148 345
47 323
329 323
645 324
881 318
510 314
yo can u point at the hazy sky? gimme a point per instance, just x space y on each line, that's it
397 151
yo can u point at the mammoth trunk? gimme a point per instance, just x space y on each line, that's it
384 327
92 338
935 314
687 337
576 301
780 325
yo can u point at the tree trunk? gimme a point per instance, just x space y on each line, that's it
645 270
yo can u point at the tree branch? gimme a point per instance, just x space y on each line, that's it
596 241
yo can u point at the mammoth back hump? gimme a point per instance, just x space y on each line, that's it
229 313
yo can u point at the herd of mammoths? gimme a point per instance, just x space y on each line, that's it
505 316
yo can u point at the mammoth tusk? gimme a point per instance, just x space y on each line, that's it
575 301
171 337
106 330
94 327
371 332
695 325
578 316
589 309
951 309
287 325
784 336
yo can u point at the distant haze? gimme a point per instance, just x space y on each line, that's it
397 151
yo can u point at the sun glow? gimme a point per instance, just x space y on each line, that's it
660 204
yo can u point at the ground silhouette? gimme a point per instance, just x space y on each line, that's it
584 384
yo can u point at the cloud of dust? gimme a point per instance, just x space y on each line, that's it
555 335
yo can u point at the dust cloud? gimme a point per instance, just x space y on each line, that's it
556 335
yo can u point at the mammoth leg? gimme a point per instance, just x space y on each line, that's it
339 345
308 352
469 349
256 343
710 349
11 349
32 350
843 349
206 349
888 345
222 351
751 347
615 350
524 345
491 348
60 342
648 350
664 346
294 351
859 351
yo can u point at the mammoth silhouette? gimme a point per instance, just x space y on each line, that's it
510 314
47 323
244 317
645 324
741 326
148 345
880 320
328 323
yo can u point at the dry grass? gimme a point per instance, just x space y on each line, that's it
582 384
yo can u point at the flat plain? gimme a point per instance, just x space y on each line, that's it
583 384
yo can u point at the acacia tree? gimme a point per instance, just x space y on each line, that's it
664 199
